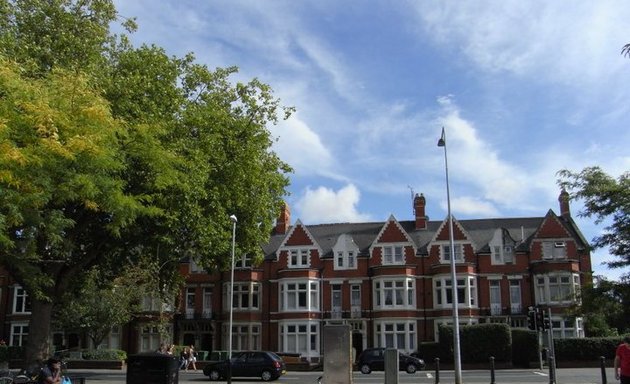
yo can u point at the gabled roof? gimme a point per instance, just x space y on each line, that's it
480 232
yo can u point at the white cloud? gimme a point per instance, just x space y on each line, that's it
474 161
324 205
300 147
535 37
471 206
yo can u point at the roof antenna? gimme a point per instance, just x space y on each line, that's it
412 197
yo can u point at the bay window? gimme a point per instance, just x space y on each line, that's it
299 295
390 293
466 292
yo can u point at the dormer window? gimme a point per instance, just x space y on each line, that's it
299 258
345 260
502 254
393 255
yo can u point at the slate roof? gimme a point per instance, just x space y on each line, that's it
480 232
364 234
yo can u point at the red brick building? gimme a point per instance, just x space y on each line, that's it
389 280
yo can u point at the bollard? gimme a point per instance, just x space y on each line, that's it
492 381
437 370
552 372
602 361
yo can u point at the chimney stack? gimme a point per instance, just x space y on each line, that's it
419 203
563 199
284 220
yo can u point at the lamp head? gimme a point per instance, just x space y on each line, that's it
233 218
442 141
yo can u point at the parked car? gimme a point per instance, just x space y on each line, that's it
264 364
373 359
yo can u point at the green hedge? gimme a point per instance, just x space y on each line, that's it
524 347
478 343
105 354
586 349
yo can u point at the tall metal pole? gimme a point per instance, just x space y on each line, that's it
231 298
456 351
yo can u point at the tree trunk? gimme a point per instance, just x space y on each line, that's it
37 348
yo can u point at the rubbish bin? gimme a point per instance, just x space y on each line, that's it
152 368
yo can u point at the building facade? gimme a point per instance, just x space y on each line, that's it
390 281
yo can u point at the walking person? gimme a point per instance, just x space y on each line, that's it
192 359
184 358
622 361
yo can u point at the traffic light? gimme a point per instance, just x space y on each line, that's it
540 317
547 322
531 319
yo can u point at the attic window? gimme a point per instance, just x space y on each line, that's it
554 250
393 255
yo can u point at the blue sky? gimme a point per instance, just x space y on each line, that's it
523 89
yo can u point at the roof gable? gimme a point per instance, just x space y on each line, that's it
392 232
552 227
298 236
459 233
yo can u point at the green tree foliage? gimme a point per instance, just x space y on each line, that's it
110 154
100 303
605 198
605 306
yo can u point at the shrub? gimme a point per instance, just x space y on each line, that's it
4 353
477 343
586 349
524 347
105 354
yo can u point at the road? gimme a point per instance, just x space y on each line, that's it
518 376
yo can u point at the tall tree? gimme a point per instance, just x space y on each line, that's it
63 200
120 153
605 198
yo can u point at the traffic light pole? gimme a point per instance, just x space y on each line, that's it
551 358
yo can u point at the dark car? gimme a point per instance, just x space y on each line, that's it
263 364
373 359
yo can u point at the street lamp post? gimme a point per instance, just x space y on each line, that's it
231 295
456 351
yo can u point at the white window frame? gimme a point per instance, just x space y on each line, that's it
299 258
190 299
445 255
566 327
554 250
300 337
466 286
345 260
516 296
393 254
245 296
21 300
19 334
394 293
557 288
245 262
495 297
294 292
398 334
503 254
150 338
336 300
245 336
207 302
